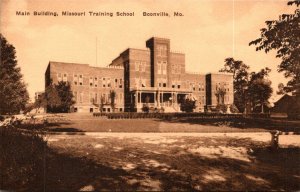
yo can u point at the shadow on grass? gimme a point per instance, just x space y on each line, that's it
241 123
64 169
268 171
69 130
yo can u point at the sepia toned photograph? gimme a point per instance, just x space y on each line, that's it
150 95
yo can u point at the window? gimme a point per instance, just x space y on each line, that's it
164 85
178 86
121 97
104 98
173 69
75 95
65 78
137 65
159 84
116 83
164 68
108 82
120 83
103 82
81 97
144 66
80 80
58 76
91 97
159 67
75 79
96 82
178 69
161 50
91 81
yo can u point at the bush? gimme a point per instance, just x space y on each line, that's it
188 105
234 109
22 158
145 108
221 108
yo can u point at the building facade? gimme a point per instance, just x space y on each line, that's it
155 77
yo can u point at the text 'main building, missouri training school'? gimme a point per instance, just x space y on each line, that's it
155 76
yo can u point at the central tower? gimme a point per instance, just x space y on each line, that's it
160 61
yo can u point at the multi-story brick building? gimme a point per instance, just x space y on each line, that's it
154 76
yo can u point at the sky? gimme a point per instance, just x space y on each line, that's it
208 32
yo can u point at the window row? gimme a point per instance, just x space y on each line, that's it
162 50
140 66
98 98
162 82
62 77
222 86
176 84
192 86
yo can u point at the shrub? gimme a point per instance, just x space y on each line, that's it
221 108
233 109
145 108
22 160
188 105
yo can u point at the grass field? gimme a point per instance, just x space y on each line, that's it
170 161
97 154
88 123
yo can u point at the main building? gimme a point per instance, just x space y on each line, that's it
154 76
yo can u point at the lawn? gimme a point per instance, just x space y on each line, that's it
98 154
88 123
169 161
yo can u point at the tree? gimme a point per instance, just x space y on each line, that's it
58 97
283 35
13 92
102 100
240 80
220 94
281 90
66 96
40 102
112 96
188 105
146 107
249 88
260 89
52 99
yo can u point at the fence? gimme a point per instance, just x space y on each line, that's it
134 115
